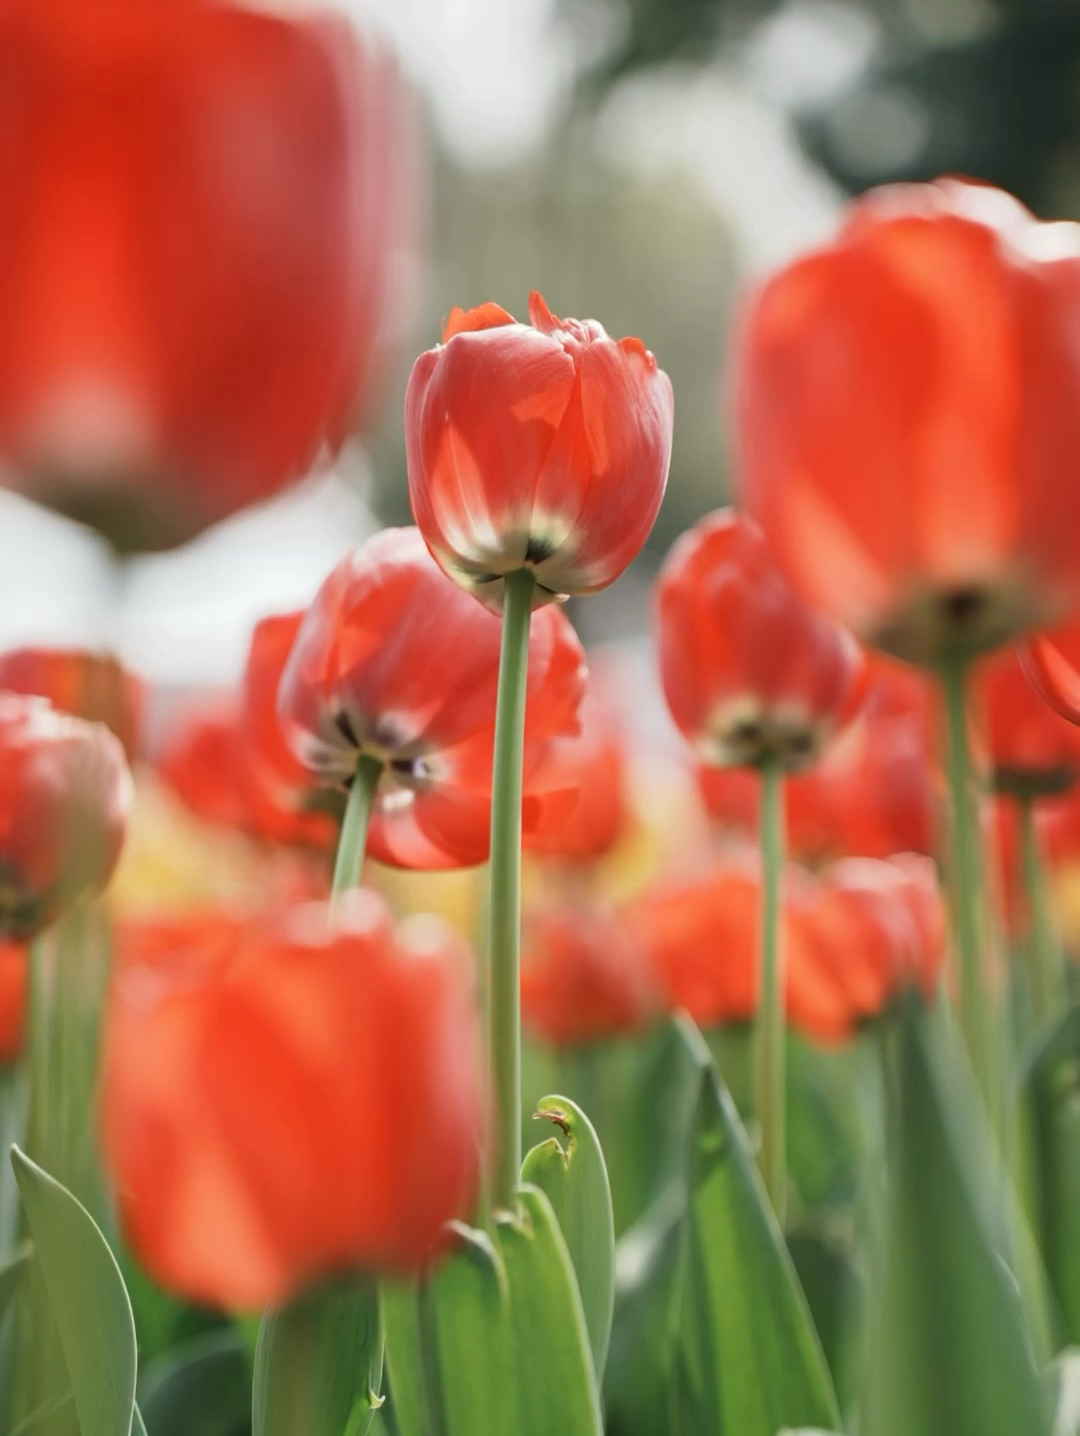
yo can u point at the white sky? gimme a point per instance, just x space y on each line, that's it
493 73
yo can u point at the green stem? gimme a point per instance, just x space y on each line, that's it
1045 954
504 998
354 826
966 872
769 1054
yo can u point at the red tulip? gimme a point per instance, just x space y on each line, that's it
1032 750
751 675
1051 661
202 206
395 662
584 977
202 761
87 685
591 769
541 446
14 988
702 935
904 399
65 793
282 1099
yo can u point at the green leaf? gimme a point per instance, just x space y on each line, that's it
494 1340
203 1386
836 1295
1061 1382
713 1333
13 1270
318 1363
952 1356
575 1181
54 1418
88 1301
1051 1108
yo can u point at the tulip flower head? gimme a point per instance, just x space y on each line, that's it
904 397
203 213
584 976
751 674
542 446
1051 663
284 1098
87 685
1033 751
65 795
395 664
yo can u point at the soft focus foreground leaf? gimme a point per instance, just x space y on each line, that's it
1061 1381
203 1386
713 1334
54 1418
318 1364
1051 1108
574 1179
494 1341
13 1269
952 1356
835 1292
88 1301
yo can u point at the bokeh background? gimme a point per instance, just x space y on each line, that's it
636 160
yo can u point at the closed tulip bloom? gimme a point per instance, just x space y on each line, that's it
1032 751
904 397
202 213
394 663
94 686
750 673
65 794
584 976
14 990
542 446
283 1099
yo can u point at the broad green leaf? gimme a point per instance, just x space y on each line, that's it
1051 1089
318 1363
493 1341
1061 1383
713 1334
551 1364
951 1356
836 1294
88 1301
55 1418
203 1386
13 1269
574 1179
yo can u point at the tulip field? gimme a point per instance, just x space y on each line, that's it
412 1039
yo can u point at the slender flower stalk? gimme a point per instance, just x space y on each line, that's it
504 951
966 881
769 1045
354 826
1044 952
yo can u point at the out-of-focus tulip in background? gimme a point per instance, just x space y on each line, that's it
631 160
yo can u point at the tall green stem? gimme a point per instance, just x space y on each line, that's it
504 999
971 929
1044 952
769 1064
354 826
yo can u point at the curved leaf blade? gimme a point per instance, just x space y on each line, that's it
87 1298
947 1304
575 1181
203 1385
318 1363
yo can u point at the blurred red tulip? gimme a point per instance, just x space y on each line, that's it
65 794
904 398
395 662
541 446
733 798
1033 752
591 768
751 675
14 990
702 935
202 207
282 1099
94 686
1051 661
202 761
584 976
